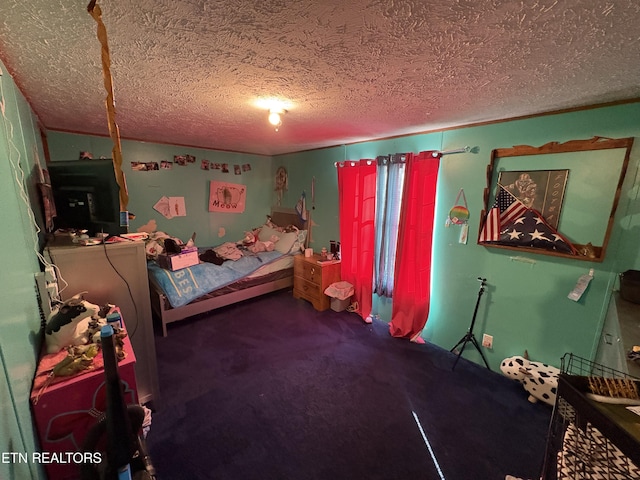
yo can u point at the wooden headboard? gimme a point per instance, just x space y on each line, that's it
288 216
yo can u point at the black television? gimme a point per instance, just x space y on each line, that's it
86 195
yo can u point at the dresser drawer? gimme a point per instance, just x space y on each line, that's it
310 272
307 289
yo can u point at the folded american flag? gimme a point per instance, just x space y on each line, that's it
505 209
511 223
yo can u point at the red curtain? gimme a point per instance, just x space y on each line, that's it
357 204
413 257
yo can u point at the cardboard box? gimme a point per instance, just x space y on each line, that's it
186 258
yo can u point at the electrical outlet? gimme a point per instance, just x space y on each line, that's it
487 341
50 274
43 295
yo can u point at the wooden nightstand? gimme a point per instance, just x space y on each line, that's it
312 278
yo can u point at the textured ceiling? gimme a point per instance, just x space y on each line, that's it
189 72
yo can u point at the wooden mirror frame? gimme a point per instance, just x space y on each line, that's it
595 143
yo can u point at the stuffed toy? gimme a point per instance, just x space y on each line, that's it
68 323
251 243
260 246
539 379
249 239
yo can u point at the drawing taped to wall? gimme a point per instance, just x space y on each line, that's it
171 207
540 190
227 197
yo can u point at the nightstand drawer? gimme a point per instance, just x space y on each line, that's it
310 272
307 289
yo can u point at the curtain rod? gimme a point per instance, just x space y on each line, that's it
435 154
466 149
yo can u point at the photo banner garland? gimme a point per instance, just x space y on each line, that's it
227 197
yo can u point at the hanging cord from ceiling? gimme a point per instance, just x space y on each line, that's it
94 10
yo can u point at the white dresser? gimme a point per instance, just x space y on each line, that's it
116 274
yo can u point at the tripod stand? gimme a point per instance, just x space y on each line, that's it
469 337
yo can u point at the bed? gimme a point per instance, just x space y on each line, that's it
205 287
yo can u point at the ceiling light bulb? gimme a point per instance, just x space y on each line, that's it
274 118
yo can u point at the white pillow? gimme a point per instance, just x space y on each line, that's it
267 232
286 242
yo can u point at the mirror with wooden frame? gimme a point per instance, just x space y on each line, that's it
570 189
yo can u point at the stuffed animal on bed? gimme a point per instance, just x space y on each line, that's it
68 323
251 243
539 379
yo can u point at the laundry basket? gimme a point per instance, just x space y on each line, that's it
340 293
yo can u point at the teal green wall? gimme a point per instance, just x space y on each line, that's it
20 147
525 306
191 182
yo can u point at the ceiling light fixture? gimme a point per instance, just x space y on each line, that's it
275 117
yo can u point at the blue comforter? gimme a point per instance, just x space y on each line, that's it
182 286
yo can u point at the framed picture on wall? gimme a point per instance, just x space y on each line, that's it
587 203
541 190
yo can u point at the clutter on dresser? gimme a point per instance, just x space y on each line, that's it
73 327
334 247
106 271
81 237
68 395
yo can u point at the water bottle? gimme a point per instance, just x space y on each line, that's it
115 320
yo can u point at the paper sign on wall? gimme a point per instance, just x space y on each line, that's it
171 207
227 197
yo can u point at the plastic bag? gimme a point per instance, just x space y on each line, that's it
340 290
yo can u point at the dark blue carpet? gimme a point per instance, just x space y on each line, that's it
272 389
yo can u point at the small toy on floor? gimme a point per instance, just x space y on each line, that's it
539 379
